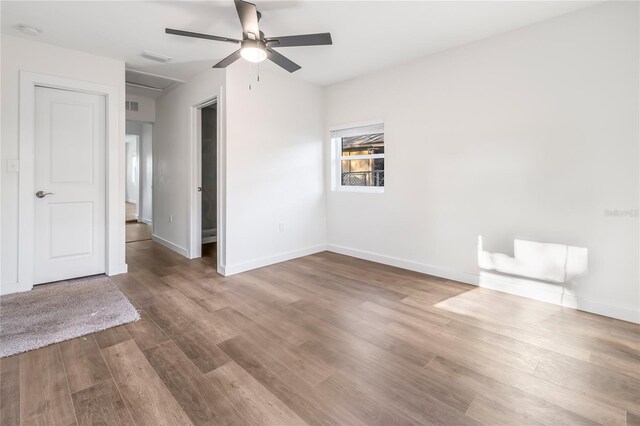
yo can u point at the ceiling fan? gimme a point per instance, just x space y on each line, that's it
254 46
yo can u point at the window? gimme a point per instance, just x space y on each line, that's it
359 159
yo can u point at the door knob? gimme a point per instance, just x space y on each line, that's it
42 194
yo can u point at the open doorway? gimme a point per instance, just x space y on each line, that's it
138 181
207 195
208 186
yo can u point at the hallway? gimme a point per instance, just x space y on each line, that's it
137 231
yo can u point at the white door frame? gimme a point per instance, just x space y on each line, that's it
115 261
195 201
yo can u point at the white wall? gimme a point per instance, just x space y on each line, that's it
274 168
146 108
532 134
273 141
172 156
20 54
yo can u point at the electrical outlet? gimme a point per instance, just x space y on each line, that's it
282 227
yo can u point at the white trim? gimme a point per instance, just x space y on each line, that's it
147 221
221 182
208 240
529 288
611 311
365 123
270 260
195 169
168 244
463 277
506 284
361 189
115 238
553 293
361 157
337 158
9 288
121 269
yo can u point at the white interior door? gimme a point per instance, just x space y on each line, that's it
70 151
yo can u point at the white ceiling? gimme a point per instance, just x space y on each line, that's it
367 35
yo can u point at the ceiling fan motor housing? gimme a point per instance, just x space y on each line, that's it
256 44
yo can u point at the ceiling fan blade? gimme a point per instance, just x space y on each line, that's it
199 35
228 60
282 61
320 39
248 15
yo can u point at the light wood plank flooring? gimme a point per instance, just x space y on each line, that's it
130 212
326 339
137 231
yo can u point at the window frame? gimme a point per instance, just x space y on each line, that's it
337 158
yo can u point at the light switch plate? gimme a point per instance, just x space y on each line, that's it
13 166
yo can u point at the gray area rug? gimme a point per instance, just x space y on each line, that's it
62 311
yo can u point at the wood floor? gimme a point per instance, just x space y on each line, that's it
327 339
137 231
130 212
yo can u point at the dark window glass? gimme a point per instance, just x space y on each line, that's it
363 145
362 172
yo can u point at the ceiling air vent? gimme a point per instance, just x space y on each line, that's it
150 82
131 106
155 56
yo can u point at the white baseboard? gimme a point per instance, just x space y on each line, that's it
168 244
617 312
120 269
207 240
222 270
553 293
506 284
532 289
147 221
270 260
9 288
463 277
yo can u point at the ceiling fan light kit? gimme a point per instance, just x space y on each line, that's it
254 47
253 50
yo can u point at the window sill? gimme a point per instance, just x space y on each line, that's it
362 189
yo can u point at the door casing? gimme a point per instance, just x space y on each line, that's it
195 180
115 223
